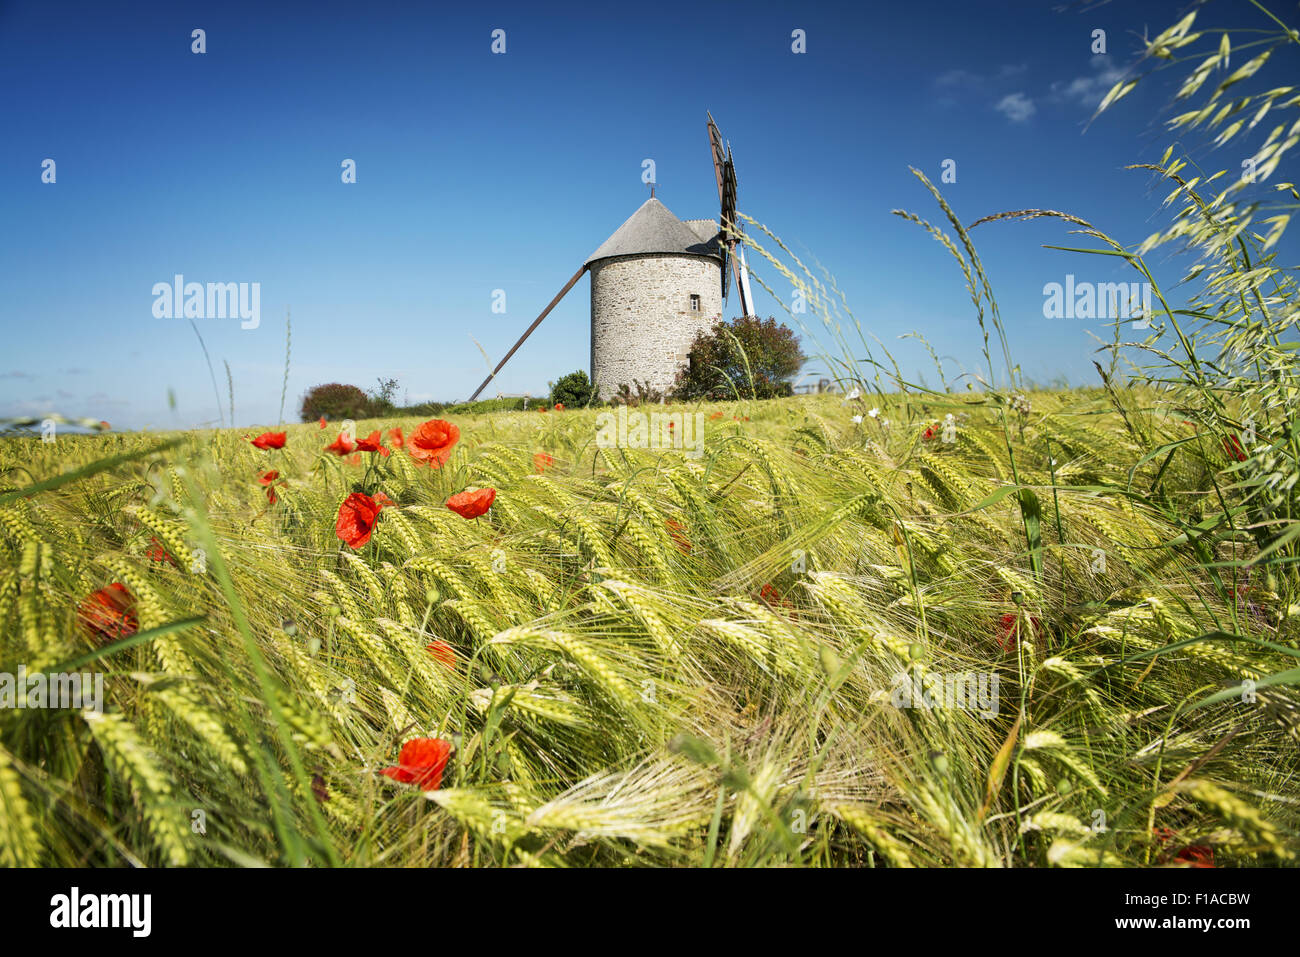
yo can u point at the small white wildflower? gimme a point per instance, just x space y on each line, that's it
857 420
854 394
873 413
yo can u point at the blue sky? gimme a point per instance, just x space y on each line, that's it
478 172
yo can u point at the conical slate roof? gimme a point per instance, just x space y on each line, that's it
654 229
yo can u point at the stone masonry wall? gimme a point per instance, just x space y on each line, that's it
641 321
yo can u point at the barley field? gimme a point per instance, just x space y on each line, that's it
636 658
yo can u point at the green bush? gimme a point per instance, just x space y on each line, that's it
334 400
573 390
745 358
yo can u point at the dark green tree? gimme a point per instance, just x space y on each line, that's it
573 390
334 401
745 358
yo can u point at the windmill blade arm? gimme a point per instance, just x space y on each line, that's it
740 283
746 297
529 331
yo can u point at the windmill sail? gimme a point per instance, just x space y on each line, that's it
724 172
746 297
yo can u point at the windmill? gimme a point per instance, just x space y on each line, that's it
650 284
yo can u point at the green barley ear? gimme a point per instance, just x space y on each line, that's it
1241 815
20 842
859 817
129 758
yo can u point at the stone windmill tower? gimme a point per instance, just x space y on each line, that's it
656 283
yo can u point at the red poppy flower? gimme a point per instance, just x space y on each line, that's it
104 425
770 596
541 408
270 440
357 517
432 442
542 462
1232 445
443 653
559 407
342 446
323 423
472 504
158 553
421 763
110 612
929 433
269 480
395 437
1008 630
677 532
1197 855
716 415
383 501
371 444
353 459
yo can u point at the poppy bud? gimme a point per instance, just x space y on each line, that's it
736 777
939 761
915 651
697 749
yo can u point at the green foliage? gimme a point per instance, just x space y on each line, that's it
574 390
509 403
382 396
335 401
746 357
643 394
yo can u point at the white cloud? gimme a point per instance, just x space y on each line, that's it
1016 107
1087 91
957 77
965 78
956 86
